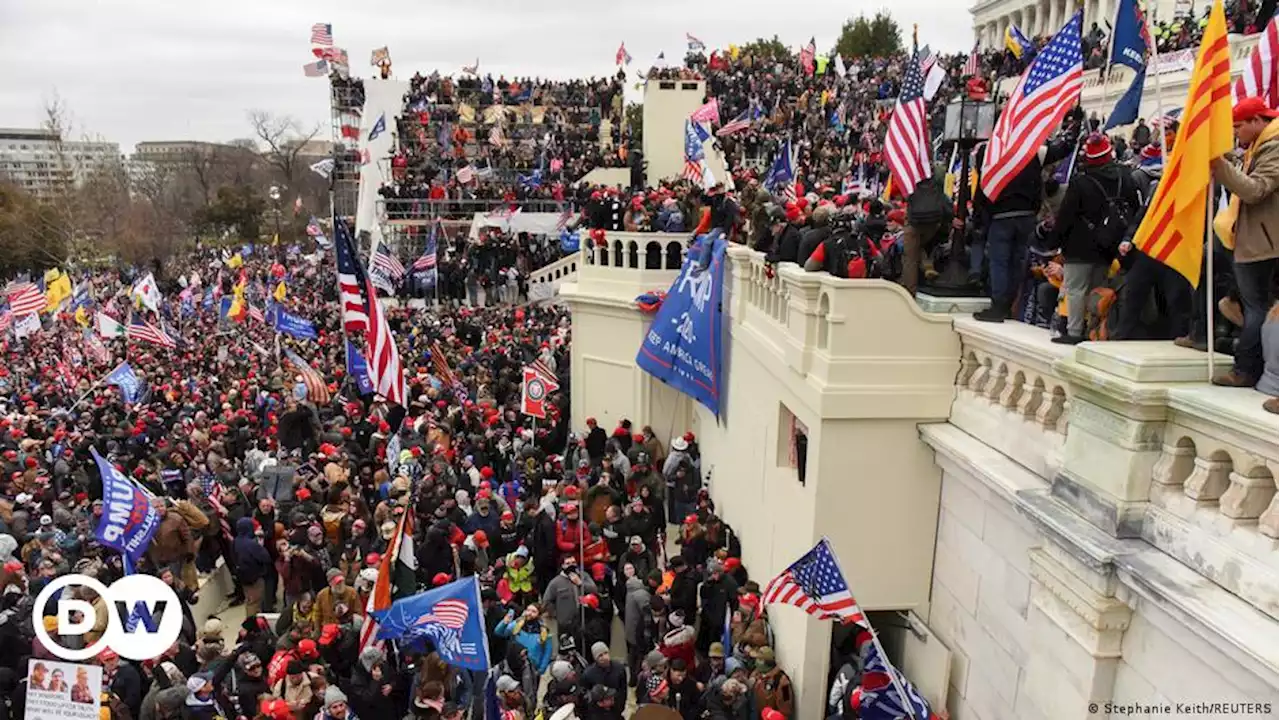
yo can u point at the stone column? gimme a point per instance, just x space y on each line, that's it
1029 15
1076 624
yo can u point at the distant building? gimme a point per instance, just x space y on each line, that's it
39 161
172 150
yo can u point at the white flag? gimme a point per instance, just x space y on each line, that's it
840 68
108 327
148 293
323 168
26 325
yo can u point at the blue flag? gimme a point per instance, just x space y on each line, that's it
358 369
379 127
1130 39
289 324
128 520
128 382
700 132
1126 110
1016 42
782 173
684 345
450 616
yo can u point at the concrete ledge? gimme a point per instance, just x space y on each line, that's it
1148 361
951 305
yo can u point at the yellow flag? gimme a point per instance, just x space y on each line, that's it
235 261
888 190
57 289
280 292
275 239
734 50
82 317
1173 229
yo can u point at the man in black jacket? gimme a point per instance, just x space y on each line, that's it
1080 227
929 211
1010 220
785 227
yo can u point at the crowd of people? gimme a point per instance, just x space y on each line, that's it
464 142
582 540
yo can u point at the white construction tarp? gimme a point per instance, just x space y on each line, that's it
527 222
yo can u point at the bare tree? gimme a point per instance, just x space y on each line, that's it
284 139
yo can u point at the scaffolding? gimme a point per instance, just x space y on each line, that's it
346 101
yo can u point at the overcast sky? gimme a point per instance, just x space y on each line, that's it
132 70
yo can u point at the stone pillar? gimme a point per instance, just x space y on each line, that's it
1055 14
1073 608
1029 15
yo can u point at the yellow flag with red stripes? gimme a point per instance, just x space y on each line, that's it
1173 230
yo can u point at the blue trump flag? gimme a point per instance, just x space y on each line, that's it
379 127
450 616
782 173
1131 42
290 324
1126 110
358 369
683 346
128 520
127 380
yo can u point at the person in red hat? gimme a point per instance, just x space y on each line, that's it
1248 227
1097 209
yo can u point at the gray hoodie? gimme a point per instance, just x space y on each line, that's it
562 596
636 605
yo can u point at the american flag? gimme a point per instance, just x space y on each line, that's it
355 317
426 262
441 365
143 331
317 390
781 179
449 613
881 685
807 55
563 221
693 154
322 34
1043 95
622 57
319 68
25 298
971 65
1259 76
815 584
386 261
6 320
906 144
742 122
385 370
94 347
695 45
255 313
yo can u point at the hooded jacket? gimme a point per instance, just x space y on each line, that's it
1084 202
252 560
635 608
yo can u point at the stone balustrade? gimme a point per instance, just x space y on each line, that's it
1132 438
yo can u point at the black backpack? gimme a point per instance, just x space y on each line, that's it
850 250
1109 230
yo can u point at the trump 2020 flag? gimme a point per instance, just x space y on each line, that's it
128 519
290 324
683 346
358 369
450 616
1130 42
124 378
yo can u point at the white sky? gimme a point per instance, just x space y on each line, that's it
134 70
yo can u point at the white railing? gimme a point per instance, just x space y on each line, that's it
546 280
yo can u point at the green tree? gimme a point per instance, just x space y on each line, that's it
635 124
870 37
772 49
33 235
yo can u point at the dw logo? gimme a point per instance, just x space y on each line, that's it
144 617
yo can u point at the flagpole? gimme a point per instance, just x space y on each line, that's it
1153 55
1106 63
875 639
1208 273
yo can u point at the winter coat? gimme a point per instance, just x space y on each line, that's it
635 607
537 641
1256 226
562 597
252 560
1084 202
173 542
614 676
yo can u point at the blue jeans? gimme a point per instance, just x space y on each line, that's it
1007 254
1256 282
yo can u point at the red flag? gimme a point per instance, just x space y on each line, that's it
537 386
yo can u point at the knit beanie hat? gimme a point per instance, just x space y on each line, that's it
334 695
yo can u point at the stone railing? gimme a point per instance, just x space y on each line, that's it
1133 439
1174 67
1008 394
830 332
635 251
544 281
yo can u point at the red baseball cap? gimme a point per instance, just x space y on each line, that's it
307 648
1251 107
